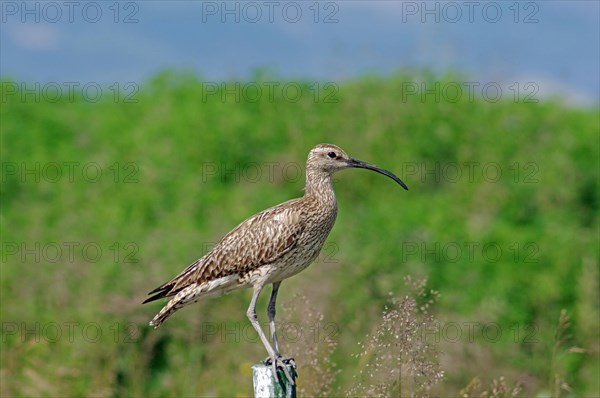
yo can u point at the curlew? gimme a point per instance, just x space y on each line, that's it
267 248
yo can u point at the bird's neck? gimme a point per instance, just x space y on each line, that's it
319 186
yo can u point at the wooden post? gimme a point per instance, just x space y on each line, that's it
266 385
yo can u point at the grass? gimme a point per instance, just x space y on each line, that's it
398 359
507 252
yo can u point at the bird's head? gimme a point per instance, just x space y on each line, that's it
329 158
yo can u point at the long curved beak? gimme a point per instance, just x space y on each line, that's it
364 165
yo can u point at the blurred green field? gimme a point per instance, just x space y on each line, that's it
102 202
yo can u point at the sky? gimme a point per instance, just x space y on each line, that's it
544 47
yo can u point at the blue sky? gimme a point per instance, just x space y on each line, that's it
554 44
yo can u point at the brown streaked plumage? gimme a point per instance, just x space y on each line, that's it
268 247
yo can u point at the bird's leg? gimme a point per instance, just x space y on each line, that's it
275 358
271 313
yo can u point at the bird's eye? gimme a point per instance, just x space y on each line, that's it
331 155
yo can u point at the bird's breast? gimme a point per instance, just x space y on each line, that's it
308 247
317 219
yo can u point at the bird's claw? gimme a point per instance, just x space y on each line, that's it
280 362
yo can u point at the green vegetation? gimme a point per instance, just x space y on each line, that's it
501 217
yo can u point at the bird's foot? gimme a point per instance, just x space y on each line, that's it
280 362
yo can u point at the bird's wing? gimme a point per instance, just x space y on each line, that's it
259 240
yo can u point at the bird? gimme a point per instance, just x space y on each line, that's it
267 248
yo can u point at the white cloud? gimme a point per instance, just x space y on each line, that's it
536 87
34 37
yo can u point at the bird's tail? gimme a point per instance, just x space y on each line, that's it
162 316
190 294
178 301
